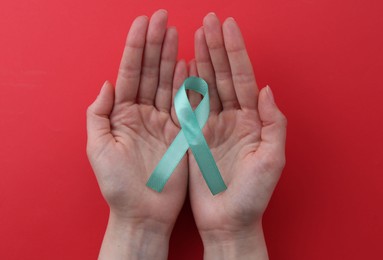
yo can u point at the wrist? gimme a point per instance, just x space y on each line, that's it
246 243
134 239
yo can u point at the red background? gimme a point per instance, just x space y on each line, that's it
323 60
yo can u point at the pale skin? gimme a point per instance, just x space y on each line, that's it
131 125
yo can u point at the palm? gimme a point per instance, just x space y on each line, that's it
130 127
234 137
144 133
141 136
237 132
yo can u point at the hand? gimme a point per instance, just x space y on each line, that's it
129 129
246 133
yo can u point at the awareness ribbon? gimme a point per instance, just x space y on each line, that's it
191 136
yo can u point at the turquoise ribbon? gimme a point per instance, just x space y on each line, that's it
190 136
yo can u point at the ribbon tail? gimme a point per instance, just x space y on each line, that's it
208 167
168 163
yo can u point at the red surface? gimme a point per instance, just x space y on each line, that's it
323 59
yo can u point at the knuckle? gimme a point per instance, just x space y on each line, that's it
274 162
129 72
283 119
150 71
89 111
215 45
244 78
223 75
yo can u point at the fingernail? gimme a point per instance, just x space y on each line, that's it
270 93
231 19
163 10
105 83
211 13
143 17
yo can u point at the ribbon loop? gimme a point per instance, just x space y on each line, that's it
190 136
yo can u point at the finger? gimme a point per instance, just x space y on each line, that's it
152 55
98 112
194 97
220 61
192 66
243 75
168 62
273 133
128 78
180 74
205 69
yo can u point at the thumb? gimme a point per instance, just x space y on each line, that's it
98 123
273 133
